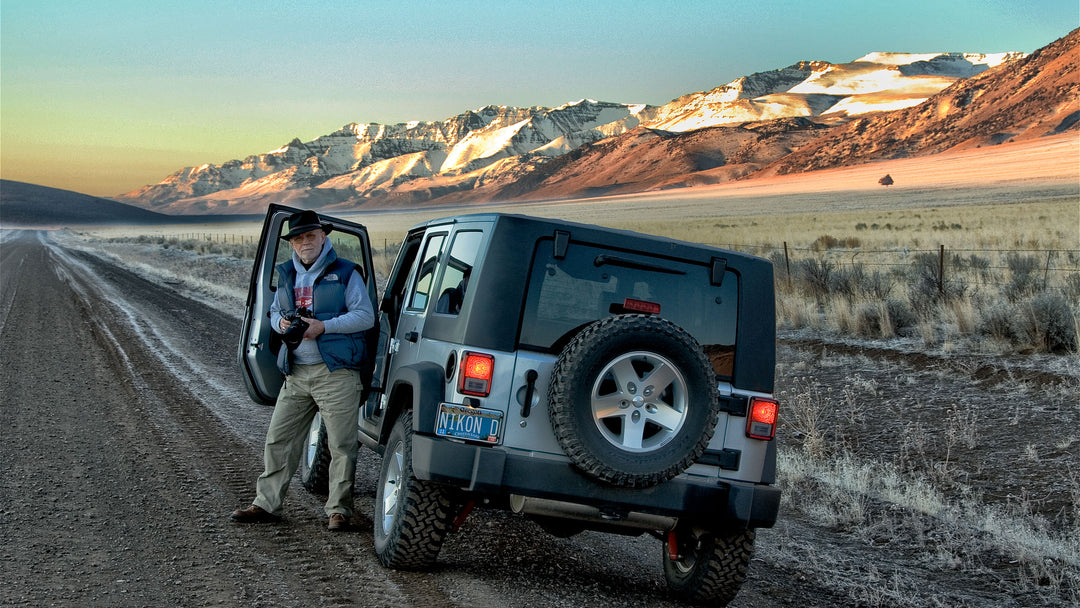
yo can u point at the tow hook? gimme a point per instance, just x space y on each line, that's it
464 513
672 546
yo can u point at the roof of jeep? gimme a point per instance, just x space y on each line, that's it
530 226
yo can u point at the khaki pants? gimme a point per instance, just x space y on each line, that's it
336 395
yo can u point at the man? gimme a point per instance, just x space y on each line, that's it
321 373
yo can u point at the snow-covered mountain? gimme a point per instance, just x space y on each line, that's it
416 161
1028 99
873 83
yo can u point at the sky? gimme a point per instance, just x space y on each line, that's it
103 97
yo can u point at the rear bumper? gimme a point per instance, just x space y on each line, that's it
494 471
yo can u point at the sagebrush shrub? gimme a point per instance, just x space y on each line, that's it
1072 286
876 285
980 266
780 273
826 241
900 314
928 289
1024 279
814 276
853 282
843 282
1049 324
1000 320
871 321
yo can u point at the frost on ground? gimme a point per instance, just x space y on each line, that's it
218 280
935 467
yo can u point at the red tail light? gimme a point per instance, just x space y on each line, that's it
761 423
474 377
652 308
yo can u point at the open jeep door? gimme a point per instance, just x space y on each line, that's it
259 343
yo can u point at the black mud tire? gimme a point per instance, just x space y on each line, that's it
412 517
711 568
315 459
650 436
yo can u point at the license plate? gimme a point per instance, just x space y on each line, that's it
471 423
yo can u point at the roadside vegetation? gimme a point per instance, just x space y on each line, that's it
936 466
995 279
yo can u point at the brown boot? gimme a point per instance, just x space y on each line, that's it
337 523
254 515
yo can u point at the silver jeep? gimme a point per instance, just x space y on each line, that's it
588 378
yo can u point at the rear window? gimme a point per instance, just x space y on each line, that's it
592 283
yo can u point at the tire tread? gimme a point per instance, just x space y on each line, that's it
426 517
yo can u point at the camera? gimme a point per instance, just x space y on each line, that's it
294 335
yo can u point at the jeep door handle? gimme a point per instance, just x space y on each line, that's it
530 386
412 336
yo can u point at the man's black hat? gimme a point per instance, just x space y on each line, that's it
305 221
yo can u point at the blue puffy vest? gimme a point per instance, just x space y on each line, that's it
337 350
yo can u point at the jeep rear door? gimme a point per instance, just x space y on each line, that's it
259 344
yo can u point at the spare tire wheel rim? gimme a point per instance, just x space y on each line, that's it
639 401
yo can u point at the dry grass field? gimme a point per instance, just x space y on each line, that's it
978 249
930 401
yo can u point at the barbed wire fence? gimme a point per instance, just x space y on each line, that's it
989 265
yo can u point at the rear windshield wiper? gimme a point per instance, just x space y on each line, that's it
615 260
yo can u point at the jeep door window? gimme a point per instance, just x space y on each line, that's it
425 272
394 294
592 283
459 265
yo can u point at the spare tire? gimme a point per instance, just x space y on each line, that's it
633 400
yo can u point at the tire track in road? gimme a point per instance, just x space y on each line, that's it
11 262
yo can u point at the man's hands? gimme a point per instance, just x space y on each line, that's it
314 330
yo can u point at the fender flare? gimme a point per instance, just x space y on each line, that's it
425 383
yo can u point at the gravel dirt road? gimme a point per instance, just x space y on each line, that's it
127 438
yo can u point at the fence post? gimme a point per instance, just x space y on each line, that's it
1046 271
787 265
941 272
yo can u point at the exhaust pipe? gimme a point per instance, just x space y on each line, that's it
546 507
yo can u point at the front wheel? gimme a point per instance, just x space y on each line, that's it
412 516
709 568
315 461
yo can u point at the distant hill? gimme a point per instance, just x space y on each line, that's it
23 204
